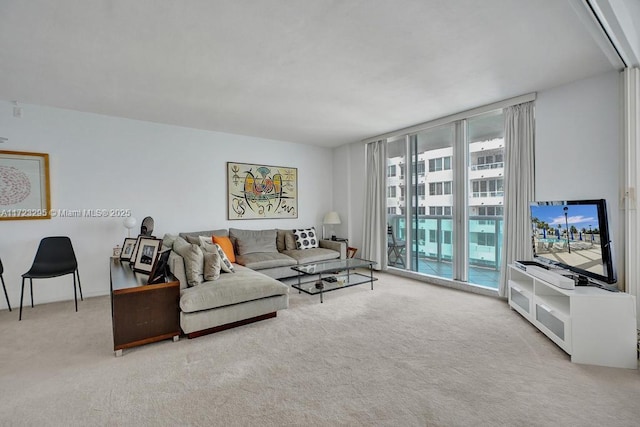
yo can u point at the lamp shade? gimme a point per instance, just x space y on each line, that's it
331 218
129 222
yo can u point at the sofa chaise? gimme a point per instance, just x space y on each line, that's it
248 294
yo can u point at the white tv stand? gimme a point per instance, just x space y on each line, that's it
592 325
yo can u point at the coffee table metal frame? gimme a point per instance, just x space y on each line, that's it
341 269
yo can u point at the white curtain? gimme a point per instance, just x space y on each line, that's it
375 215
518 186
631 134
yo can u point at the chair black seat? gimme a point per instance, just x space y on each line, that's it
44 270
55 257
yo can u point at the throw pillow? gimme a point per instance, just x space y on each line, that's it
211 269
168 239
226 245
305 238
225 264
206 244
253 241
193 260
290 241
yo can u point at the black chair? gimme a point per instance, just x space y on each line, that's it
54 258
3 286
395 248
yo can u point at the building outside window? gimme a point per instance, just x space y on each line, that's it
432 201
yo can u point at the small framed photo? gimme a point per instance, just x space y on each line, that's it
147 253
160 269
134 250
127 248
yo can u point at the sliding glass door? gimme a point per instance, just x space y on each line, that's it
485 142
444 200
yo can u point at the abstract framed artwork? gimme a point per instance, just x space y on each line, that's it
261 192
24 186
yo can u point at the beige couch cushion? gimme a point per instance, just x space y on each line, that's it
254 241
259 261
245 285
312 255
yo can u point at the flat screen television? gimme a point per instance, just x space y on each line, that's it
574 235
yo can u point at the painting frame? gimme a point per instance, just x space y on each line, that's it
25 178
146 254
160 268
127 248
134 251
257 191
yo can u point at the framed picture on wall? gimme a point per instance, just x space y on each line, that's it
261 192
148 249
24 185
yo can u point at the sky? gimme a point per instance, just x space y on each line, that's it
580 216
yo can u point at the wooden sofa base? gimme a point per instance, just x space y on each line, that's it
231 325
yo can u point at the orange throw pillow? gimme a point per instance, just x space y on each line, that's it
227 247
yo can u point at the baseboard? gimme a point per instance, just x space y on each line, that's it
231 325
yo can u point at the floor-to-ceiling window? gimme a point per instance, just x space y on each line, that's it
444 199
485 165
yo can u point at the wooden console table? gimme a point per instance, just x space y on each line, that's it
141 313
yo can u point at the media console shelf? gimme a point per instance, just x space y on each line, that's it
592 325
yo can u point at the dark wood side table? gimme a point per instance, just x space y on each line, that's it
141 313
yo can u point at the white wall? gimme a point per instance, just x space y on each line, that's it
348 191
578 148
175 175
579 145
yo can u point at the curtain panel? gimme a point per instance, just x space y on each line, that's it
519 186
375 215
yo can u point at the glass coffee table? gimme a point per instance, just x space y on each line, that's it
333 275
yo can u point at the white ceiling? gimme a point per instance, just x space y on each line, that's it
323 72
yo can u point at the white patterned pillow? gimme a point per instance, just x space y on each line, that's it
306 238
225 264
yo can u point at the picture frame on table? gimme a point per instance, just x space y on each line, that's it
160 269
146 254
127 248
134 250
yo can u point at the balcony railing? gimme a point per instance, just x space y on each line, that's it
484 166
484 250
479 194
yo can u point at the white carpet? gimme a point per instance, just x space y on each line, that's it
406 353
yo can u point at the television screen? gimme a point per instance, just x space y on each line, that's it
574 235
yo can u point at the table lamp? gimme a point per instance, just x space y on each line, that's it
330 218
129 223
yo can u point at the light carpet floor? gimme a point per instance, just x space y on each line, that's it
404 354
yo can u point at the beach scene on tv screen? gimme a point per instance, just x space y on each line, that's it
572 239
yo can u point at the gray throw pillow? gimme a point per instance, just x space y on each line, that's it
206 244
253 241
290 241
193 260
211 266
